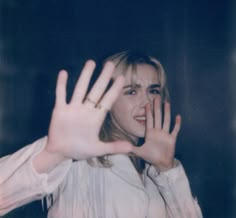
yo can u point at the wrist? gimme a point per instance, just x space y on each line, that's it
166 167
46 161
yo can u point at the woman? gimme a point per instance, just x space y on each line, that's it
74 166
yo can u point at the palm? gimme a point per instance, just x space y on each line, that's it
74 128
159 146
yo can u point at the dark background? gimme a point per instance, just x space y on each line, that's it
193 39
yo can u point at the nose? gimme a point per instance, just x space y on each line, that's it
144 99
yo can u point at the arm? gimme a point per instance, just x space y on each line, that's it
174 188
166 173
73 133
20 183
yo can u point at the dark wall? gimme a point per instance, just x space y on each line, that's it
193 39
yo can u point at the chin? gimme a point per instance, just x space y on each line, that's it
139 134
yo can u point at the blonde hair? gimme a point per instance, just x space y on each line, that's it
123 62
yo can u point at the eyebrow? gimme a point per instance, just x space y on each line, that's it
155 86
138 86
132 86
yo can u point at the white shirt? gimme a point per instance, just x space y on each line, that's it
80 190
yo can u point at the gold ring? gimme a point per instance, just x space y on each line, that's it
91 101
100 107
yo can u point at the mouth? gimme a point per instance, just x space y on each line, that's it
140 119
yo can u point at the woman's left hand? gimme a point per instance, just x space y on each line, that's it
159 146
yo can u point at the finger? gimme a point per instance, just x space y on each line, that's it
177 126
157 113
149 117
117 147
167 117
61 88
101 84
83 82
112 94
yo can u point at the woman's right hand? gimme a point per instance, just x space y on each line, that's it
75 126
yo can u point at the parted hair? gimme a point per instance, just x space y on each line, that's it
125 61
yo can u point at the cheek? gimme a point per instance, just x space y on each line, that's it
122 108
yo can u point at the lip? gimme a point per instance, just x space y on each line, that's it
141 119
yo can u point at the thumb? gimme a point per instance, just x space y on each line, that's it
138 151
117 147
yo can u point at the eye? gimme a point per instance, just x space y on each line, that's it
131 92
154 91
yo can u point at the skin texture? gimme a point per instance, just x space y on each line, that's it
128 111
74 126
137 111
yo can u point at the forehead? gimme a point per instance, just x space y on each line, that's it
144 74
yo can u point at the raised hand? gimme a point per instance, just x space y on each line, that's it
159 146
75 126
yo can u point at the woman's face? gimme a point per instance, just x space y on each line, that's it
128 112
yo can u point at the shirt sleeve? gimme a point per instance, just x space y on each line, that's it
19 181
174 187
